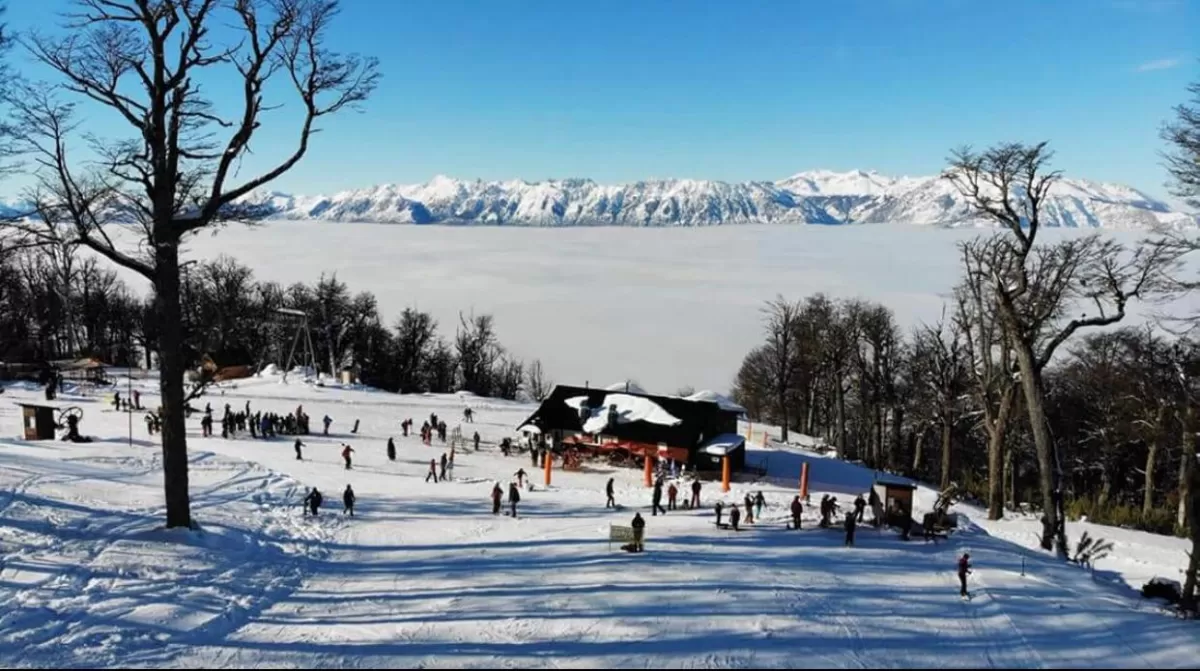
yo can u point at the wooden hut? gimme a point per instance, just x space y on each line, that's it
38 421
896 495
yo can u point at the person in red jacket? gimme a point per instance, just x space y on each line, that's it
964 569
346 450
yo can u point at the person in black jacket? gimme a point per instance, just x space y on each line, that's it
298 445
313 501
391 449
735 516
850 523
656 501
859 506
797 510
348 500
639 531
497 496
696 493
608 489
514 497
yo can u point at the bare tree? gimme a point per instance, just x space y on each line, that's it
938 353
1035 286
536 381
1183 158
175 173
782 349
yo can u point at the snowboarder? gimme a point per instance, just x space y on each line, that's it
656 501
442 475
313 501
720 508
672 492
348 501
476 441
964 569
849 524
695 493
497 495
432 471
521 477
735 516
759 502
346 450
391 449
328 420
859 506
608 490
298 445
797 510
639 531
514 497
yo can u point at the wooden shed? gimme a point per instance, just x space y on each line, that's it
38 421
896 495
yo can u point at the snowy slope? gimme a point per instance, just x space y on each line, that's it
424 576
814 197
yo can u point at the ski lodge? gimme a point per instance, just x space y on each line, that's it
629 426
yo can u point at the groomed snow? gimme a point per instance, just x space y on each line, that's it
425 576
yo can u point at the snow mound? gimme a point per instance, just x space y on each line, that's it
725 402
626 385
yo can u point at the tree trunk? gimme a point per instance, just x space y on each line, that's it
1010 478
1186 461
1151 456
171 371
1050 470
893 456
947 445
1193 518
783 413
996 434
811 419
921 432
840 429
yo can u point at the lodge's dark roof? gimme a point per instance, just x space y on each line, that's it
699 420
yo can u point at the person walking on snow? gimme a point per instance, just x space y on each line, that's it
521 478
735 516
859 506
442 475
432 471
608 491
749 503
298 445
850 524
476 441
514 497
797 510
348 501
672 492
497 495
720 508
327 422
695 493
346 450
656 500
639 531
964 569
313 501
759 502
391 449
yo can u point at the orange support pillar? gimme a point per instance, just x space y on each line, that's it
548 463
804 481
649 470
725 473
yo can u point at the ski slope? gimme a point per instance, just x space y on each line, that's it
425 576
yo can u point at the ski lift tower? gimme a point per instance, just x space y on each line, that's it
297 322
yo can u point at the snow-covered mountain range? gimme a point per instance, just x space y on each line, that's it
815 197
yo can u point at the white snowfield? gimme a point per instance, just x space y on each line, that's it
425 576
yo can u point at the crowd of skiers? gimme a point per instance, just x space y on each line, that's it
258 424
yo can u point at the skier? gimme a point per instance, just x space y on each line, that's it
206 426
476 441
656 501
432 471
442 475
348 500
608 490
672 492
695 493
313 501
749 503
759 502
469 415
391 450
734 516
859 506
514 497
639 531
298 445
849 524
797 510
720 508
328 420
346 450
497 495
964 569
521 477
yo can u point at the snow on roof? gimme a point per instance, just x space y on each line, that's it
725 402
530 428
629 409
893 481
626 385
724 444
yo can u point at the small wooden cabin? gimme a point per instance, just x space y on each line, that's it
896 495
38 421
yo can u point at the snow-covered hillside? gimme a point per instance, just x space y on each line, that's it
817 197
425 576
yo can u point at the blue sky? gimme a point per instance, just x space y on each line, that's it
621 90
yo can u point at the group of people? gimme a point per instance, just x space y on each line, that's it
313 500
672 496
447 462
258 424
127 404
